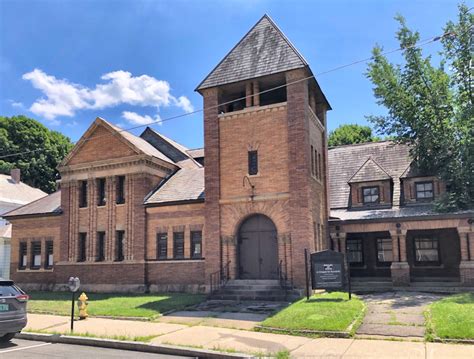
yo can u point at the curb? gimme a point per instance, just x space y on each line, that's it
453 341
304 332
128 345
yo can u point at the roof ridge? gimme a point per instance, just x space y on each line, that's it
361 144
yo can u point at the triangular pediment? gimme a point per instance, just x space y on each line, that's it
369 171
264 50
103 141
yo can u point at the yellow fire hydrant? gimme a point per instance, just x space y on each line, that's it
82 303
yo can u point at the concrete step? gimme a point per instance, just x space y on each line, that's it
254 282
253 297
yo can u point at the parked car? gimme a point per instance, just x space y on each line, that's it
12 309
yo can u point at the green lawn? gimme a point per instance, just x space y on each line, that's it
327 312
453 317
112 304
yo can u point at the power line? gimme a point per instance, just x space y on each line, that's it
419 44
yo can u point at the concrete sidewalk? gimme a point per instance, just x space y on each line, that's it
225 339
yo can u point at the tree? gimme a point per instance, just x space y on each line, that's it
20 134
431 108
350 134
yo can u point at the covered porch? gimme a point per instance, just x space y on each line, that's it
428 253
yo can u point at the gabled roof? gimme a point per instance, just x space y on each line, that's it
196 152
50 204
369 171
187 184
345 161
264 50
171 149
413 171
139 145
17 193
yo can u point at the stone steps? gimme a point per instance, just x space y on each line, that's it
255 290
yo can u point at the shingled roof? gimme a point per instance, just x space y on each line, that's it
50 204
185 185
18 193
345 161
369 171
264 50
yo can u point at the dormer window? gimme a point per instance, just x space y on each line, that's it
370 195
424 191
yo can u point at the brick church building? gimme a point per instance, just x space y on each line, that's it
137 213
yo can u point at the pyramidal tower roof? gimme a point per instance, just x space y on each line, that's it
264 50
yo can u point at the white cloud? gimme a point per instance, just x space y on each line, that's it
64 98
185 104
17 104
136 119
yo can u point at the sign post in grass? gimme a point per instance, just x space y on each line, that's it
328 271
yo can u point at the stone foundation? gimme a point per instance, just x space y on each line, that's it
400 274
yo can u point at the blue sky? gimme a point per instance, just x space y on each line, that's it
66 62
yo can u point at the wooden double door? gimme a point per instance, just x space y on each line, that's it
258 248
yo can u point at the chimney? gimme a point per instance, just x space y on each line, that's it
15 173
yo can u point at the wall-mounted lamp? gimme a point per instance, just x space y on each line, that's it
252 186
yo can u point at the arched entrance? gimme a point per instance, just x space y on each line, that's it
258 248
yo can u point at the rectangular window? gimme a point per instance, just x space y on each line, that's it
49 254
253 162
320 168
178 245
312 160
196 244
354 251
370 195
101 191
100 246
120 189
83 194
81 257
384 250
23 255
119 238
35 255
427 250
424 191
316 173
162 246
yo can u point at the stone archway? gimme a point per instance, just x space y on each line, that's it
258 248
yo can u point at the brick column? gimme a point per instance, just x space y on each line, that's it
248 94
466 267
400 268
299 209
212 227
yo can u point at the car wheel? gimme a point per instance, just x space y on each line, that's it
7 337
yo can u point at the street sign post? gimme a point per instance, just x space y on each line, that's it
74 284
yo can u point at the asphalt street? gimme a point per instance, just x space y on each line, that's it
24 349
